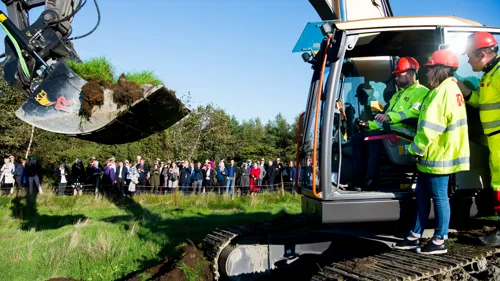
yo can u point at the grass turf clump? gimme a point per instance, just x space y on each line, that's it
143 78
97 69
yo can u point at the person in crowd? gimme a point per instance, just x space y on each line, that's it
291 174
95 176
32 173
208 177
134 178
155 178
120 177
77 176
165 173
440 148
272 172
231 177
198 178
185 176
221 176
143 170
20 174
108 177
263 169
254 176
173 177
7 177
245 176
62 175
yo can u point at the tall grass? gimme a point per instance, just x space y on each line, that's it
143 78
88 239
98 69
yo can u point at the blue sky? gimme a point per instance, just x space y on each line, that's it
234 53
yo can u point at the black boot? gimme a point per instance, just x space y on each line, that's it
492 239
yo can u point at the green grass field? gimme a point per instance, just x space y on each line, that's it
85 239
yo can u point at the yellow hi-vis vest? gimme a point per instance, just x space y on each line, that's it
442 139
404 104
488 100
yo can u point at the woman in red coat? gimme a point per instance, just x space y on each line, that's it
254 176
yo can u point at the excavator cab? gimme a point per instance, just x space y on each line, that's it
35 64
352 63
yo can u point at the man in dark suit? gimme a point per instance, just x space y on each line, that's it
120 177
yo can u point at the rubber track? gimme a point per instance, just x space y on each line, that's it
217 240
404 265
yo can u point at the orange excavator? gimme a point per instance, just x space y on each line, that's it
345 234
35 64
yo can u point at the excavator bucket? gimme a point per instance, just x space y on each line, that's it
56 106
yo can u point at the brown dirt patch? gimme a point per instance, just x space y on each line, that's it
126 92
471 236
92 95
360 265
191 262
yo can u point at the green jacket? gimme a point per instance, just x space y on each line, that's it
403 105
442 140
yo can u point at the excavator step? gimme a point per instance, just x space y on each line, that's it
405 265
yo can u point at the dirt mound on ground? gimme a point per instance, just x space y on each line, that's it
191 266
126 92
92 95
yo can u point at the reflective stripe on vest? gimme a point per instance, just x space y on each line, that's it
442 129
489 100
446 163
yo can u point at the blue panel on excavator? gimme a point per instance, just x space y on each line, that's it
311 37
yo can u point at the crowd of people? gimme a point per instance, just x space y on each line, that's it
126 178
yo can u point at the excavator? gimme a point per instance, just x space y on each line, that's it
346 234
36 64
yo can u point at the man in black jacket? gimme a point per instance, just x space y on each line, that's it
120 177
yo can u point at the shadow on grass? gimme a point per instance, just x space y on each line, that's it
176 231
24 208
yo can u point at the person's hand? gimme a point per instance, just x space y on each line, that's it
360 123
454 79
382 118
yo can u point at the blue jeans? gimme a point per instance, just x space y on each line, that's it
435 187
229 184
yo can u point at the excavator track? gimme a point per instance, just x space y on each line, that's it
406 265
391 265
217 240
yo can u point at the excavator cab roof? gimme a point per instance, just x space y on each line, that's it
312 36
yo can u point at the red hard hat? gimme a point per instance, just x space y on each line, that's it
405 64
478 40
443 57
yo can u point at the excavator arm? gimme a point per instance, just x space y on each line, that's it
36 56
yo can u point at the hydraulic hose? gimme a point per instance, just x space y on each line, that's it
24 66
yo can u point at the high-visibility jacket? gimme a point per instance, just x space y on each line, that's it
442 140
403 105
487 99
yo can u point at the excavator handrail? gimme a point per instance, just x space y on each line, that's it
297 154
315 141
